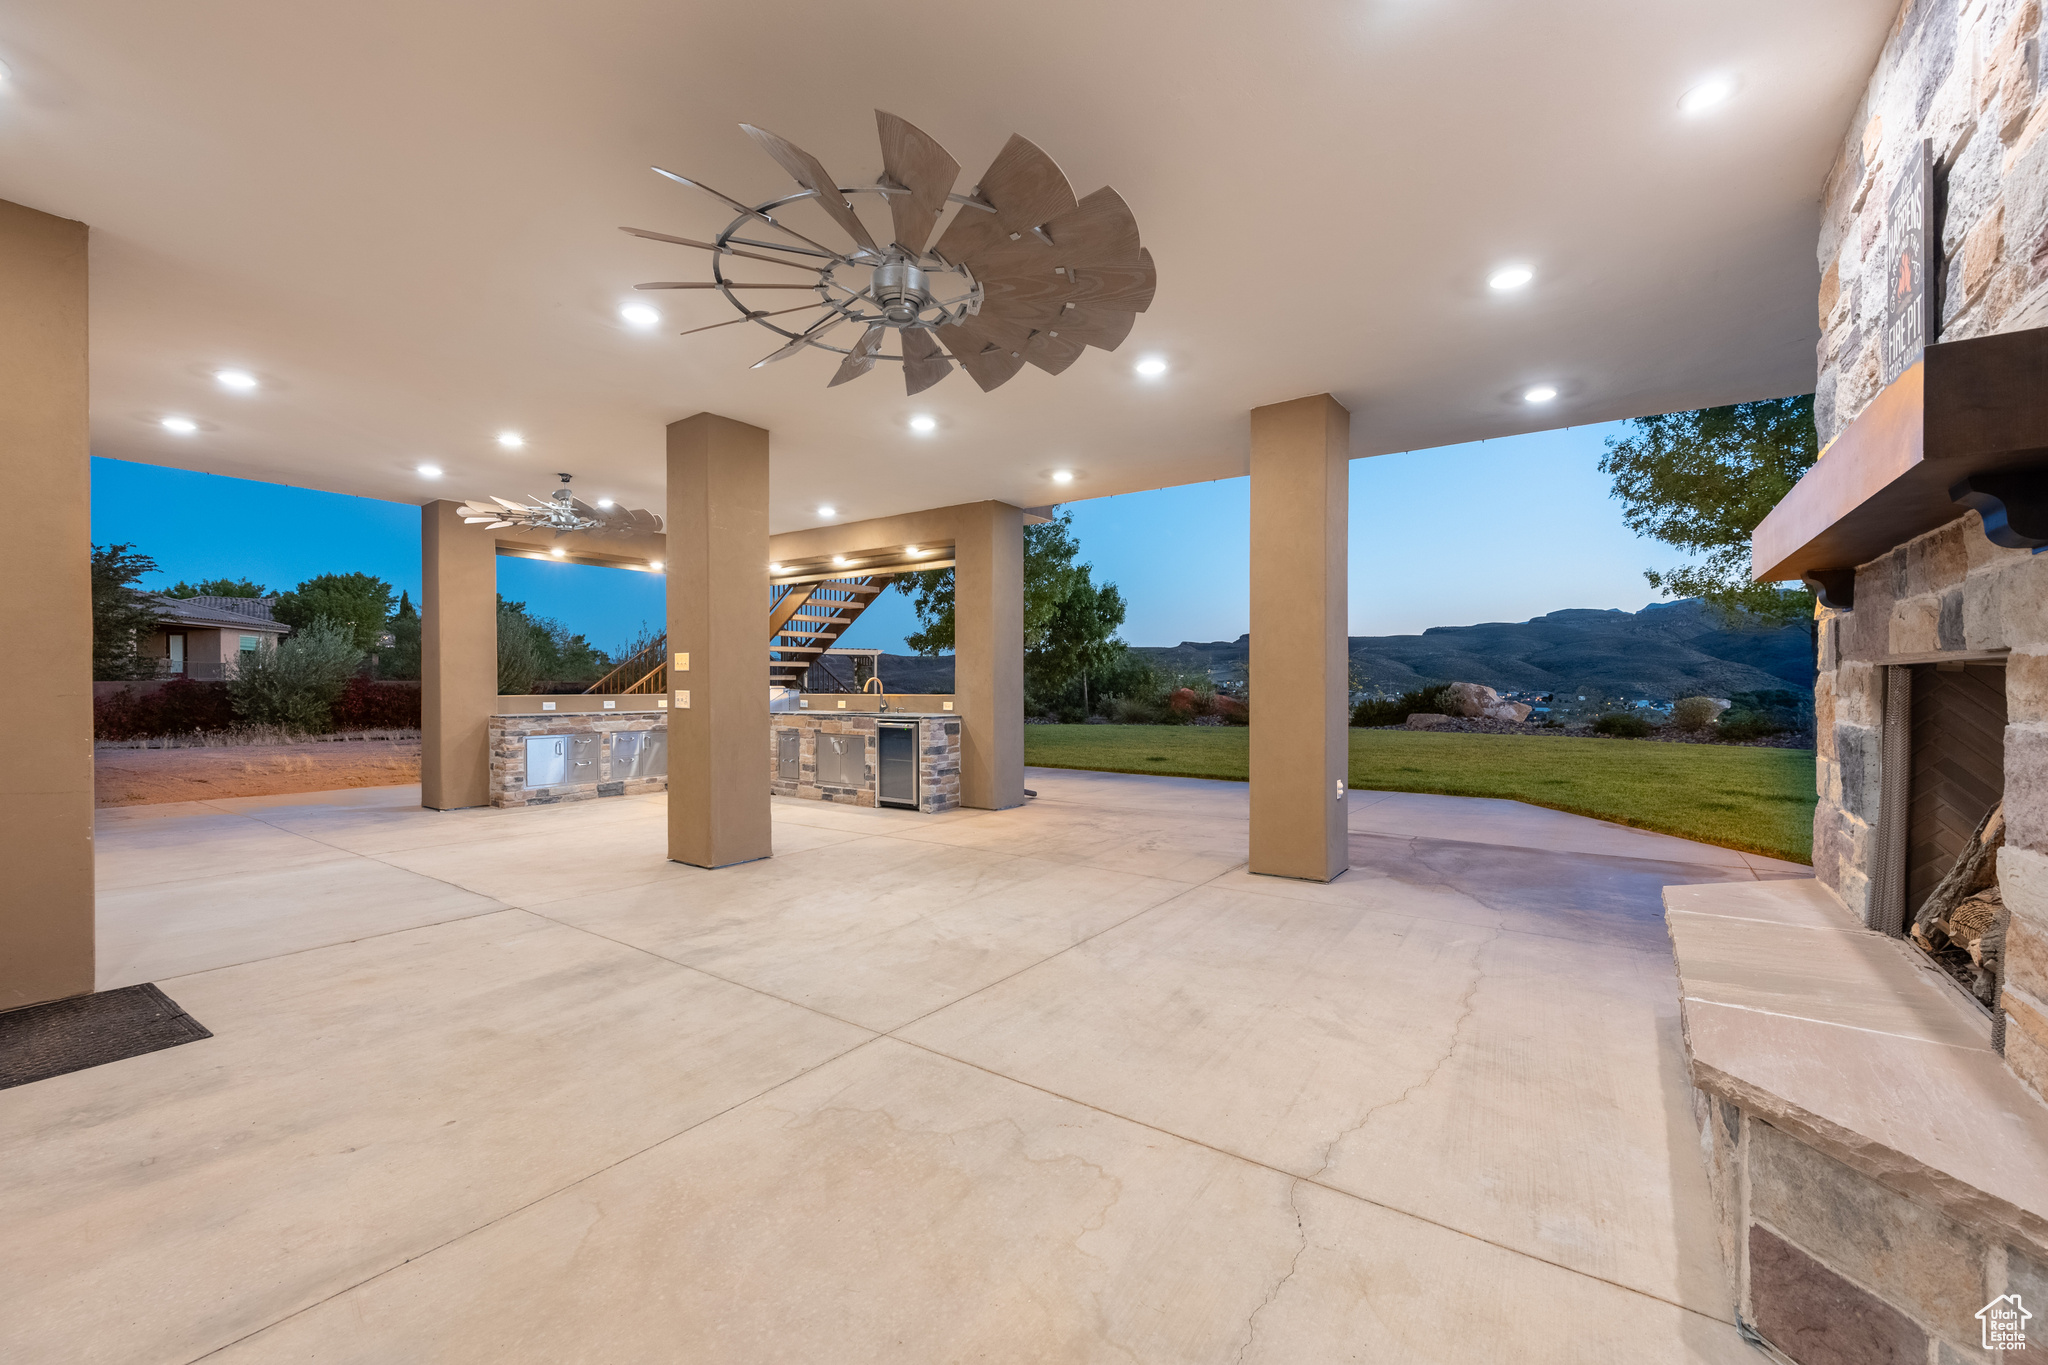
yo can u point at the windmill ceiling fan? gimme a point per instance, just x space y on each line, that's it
562 513
1023 271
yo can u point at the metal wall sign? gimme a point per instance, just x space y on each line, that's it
1911 261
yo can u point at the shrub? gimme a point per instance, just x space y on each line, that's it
1396 710
367 705
1692 714
296 683
180 707
1133 711
1739 726
1782 707
1621 725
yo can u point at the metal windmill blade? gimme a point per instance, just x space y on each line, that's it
914 161
990 363
861 358
806 171
923 363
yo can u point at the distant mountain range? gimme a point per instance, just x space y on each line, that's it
1666 650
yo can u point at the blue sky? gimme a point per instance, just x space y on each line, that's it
1494 531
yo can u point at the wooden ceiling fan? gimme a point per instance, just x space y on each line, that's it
1023 272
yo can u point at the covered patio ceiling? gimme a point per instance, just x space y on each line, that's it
402 219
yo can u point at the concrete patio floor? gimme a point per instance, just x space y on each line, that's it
1058 1083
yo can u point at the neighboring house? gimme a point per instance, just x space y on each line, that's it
206 637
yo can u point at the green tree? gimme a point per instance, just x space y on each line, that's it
1049 574
1701 481
122 617
519 661
535 649
402 659
356 600
294 684
1079 640
217 587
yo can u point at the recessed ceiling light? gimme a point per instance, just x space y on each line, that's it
1510 277
1151 367
654 565
430 471
924 425
511 440
838 561
912 551
774 568
558 552
1542 393
1063 476
1705 96
640 315
604 502
828 511
241 381
183 426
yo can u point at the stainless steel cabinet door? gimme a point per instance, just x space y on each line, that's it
789 748
547 760
639 753
842 761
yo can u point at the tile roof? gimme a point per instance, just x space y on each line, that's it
247 613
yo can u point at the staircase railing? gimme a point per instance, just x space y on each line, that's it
643 671
804 620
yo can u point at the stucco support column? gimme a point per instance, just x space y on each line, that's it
1300 661
46 803
458 658
988 654
718 624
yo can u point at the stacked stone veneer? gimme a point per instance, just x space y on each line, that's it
508 736
938 757
1833 1268
1948 592
1967 75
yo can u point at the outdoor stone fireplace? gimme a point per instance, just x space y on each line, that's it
1870 1047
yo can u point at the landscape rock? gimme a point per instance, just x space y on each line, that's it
1426 720
1474 701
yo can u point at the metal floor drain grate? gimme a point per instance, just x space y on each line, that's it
90 1030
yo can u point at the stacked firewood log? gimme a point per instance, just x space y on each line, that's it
1965 913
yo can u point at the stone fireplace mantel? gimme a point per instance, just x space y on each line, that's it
1970 407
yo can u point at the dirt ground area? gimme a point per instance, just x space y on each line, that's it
136 777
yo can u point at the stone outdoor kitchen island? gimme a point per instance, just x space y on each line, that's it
1871 1047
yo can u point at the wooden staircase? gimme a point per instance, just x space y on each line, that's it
804 620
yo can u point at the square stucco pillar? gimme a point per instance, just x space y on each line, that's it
1300 661
718 626
46 801
988 654
458 658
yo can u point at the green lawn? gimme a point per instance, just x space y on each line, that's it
1760 800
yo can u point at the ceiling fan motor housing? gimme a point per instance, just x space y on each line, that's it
901 289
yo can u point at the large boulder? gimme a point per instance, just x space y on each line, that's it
1475 701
